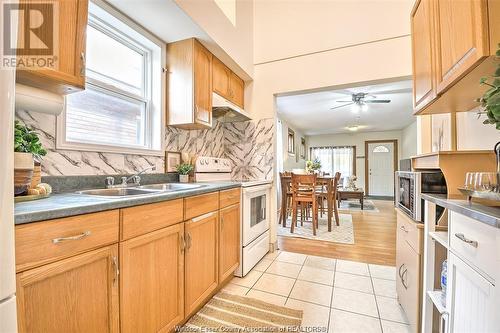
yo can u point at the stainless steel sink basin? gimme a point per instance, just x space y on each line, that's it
117 192
168 187
140 190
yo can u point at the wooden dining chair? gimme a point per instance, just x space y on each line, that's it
304 195
335 189
322 194
286 196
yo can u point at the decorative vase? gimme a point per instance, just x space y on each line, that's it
184 178
23 172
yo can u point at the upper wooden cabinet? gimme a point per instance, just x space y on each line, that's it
453 46
152 281
78 294
69 73
462 38
227 84
424 80
189 85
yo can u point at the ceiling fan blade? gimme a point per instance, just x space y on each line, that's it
377 101
340 106
343 101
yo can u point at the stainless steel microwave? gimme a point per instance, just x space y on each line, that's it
409 187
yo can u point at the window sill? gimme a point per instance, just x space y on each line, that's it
108 149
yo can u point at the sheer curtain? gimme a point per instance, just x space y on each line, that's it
335 159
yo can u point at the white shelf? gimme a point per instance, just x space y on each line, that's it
435 297
441 237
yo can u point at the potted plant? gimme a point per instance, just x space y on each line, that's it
490 101
184 169
313 166
27 150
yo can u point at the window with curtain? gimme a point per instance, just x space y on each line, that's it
336 159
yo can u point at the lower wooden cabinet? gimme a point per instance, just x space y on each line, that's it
201 277
78 294
152 279
229 241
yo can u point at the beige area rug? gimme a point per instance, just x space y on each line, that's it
354 206
232 313
344 233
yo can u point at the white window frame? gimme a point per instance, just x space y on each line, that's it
149 95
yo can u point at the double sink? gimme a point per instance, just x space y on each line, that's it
143 190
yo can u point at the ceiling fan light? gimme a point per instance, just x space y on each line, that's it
356 108
364 107
353 128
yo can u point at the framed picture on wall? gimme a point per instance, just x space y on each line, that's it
172 160
303 148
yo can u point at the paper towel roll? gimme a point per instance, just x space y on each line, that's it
38 100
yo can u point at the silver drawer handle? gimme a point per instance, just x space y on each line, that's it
70 238
465 240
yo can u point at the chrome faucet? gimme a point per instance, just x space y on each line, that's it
136 179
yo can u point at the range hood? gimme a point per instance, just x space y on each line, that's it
227 112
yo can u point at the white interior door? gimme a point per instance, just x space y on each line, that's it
381 168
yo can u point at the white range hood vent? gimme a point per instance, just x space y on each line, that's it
227 112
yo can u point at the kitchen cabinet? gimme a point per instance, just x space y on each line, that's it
69 73
189 85
201 259
471 299
227 84
78 294
229 241
152 281
462 38
424 77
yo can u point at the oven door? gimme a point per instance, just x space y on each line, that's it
256 207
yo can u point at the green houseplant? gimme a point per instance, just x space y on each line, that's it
313 165
184 169
27 150
490 101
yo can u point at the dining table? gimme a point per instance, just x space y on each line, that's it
325 181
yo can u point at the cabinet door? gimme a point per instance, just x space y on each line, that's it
408 280
202 85
462 38
201 260
221 78
237 90
69 74
152 279
229 241
470 299
422 24
78 294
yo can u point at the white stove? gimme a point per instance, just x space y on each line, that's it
255 203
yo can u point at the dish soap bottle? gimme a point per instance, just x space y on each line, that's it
444 276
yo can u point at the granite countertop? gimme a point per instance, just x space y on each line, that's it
481 213
71 204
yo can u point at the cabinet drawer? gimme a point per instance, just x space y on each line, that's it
44 242
200 204
475 243
229 197
140 220
410 231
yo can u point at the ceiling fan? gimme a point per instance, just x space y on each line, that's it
360 100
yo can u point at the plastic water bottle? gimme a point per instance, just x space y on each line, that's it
444 277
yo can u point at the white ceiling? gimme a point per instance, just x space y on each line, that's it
310 113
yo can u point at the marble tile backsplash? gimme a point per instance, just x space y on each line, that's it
248 145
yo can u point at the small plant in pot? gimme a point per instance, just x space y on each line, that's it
27 150
313 166
184 169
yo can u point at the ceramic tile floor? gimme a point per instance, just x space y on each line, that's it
336 295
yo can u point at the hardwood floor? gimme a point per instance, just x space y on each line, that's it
374 239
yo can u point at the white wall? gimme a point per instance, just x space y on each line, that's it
290 161
354 139
409 141
472 134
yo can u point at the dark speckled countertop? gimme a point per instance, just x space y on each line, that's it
478 212
70 204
